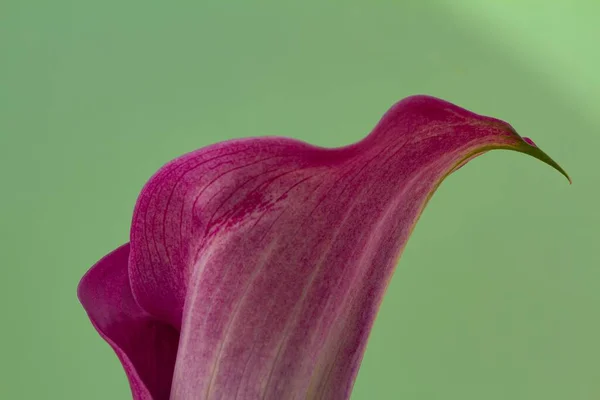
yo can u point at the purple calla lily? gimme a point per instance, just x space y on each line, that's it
255 267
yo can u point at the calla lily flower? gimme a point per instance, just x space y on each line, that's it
255 267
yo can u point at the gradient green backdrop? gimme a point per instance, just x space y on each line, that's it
496 296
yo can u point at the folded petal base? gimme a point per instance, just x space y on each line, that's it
146 346
256 267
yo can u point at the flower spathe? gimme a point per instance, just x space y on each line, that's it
255 267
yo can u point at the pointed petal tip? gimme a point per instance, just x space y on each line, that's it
529 147
525 145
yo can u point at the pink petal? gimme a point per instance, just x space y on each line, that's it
145 346
271 256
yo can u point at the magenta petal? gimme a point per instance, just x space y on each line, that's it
271 256
145 346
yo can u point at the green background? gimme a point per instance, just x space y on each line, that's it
496 296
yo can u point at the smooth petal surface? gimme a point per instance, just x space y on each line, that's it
145 346
269 257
